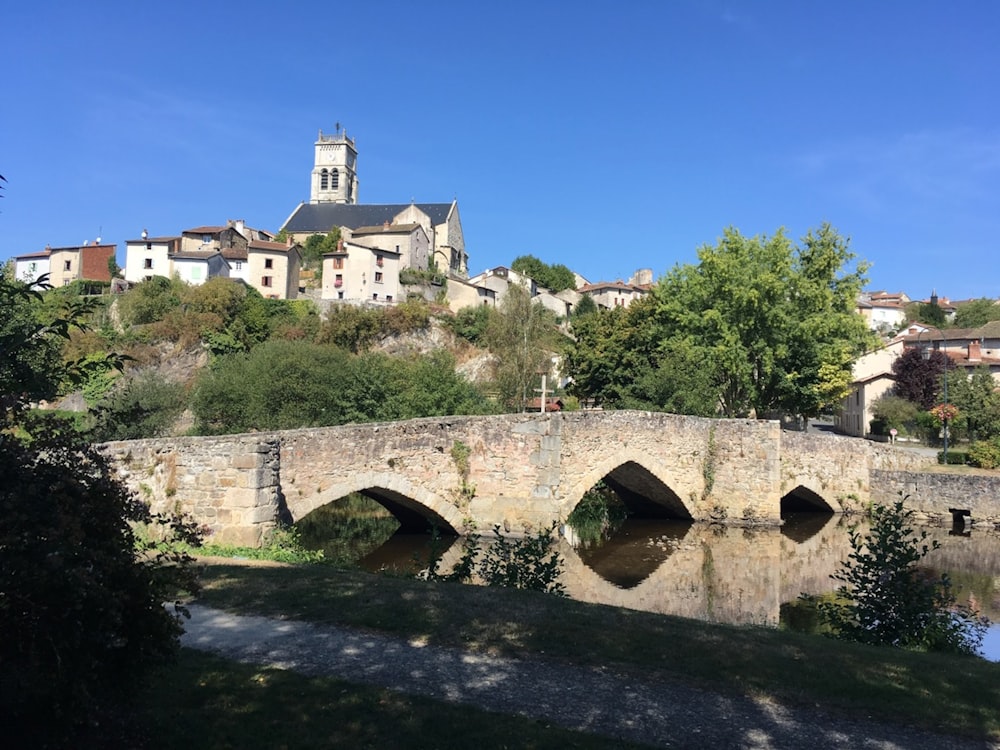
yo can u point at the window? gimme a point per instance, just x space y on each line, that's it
397 248
238 265
339 281
334 179
340 295
375 296
206 238
68 265
148 263
378 277
324 180
388 298
268 262
149 245
338 262
265 281
379 261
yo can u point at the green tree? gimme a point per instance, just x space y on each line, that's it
517 335
554 278
978 401
585 306
144 406
771 326
885 599
81 598
931 313
976 313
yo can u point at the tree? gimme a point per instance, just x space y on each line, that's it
978 402
885 600
976 313
81 597
918 379
771 326
931 314
516 336
554 278
585 306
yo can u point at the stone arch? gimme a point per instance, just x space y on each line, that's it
641 488
804 499
412 505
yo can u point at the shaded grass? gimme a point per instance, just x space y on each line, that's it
226 704
935 691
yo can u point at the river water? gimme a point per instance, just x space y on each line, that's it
702 571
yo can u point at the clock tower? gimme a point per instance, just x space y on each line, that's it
334 174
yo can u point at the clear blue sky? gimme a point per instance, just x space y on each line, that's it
606 136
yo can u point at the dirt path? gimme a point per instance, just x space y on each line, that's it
659 713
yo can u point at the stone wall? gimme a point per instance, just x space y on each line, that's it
230 485
523 471
932 495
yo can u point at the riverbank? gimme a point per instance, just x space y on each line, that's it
936 693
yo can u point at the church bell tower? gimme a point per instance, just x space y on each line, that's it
334 175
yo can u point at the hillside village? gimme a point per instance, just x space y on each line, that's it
333 250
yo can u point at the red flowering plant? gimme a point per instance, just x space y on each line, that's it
944 412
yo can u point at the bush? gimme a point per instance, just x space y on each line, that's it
985 454
886 600
528 562
470 324
82 616
953 458
144 407
893 412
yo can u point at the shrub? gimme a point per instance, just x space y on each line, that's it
953 457
470 324
893 412
884 599
144 407
528 562
985 454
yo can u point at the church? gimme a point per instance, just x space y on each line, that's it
402 229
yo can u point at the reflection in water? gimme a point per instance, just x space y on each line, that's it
634 551
723 574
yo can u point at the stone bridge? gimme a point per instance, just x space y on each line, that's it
518 471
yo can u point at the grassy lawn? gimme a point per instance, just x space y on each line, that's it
231 705
946 693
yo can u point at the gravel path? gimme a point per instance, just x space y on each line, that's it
656 712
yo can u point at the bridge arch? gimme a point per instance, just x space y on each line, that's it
415 507
641 489
805 499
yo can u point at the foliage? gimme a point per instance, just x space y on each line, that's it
586 306
470 323
976 313
918 379
149 301
770 327
978 401
931 314
145 406
985 453
554 278
599 512
528 562
894 412
81 598
318 244
517 334
953 457
944 412
283 544
289 384
884 599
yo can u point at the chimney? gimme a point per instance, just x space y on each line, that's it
975 351
340 246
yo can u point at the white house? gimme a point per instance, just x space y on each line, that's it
30 266
356 273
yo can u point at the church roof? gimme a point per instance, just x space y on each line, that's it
322 217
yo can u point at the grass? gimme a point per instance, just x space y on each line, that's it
935 691
226 705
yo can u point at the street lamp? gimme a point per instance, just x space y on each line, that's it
926 354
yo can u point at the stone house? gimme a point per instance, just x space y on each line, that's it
273 268
871 377
357 274
611 294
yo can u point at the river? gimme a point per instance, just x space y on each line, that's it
702 571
